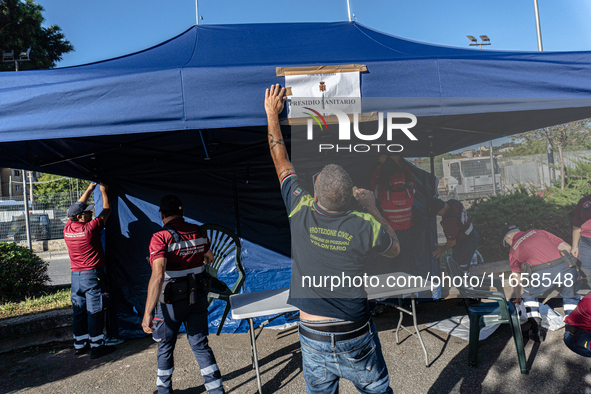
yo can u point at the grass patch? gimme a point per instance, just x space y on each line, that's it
51 300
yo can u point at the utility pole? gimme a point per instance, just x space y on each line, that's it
9 56
492 168
31 189
549 147
26 201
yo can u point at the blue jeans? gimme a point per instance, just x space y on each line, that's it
580 342
359 360
87 301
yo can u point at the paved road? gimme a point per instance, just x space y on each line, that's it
132 368
59 267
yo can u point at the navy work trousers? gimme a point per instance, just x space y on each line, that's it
464 249
561 277
88 288
585 257
167 321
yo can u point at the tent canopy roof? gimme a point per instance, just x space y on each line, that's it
202 92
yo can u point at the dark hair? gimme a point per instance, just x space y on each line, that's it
334 188
435 206
388 168
74 218
174 212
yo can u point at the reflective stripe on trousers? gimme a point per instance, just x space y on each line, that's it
168 319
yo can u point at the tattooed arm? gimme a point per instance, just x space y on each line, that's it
274 101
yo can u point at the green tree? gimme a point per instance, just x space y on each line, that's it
56 189
21 27
577 185
567 136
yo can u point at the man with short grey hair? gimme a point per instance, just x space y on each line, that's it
334 188
336 332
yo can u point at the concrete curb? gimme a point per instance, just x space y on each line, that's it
38 329
53 253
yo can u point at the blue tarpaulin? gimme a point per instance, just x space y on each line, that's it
187 117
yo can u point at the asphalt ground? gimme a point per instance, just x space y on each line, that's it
132 368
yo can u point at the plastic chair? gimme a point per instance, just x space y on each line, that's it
223 243
488 314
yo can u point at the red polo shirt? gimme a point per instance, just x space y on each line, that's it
84 244
533 247
180 256
581 316
582 216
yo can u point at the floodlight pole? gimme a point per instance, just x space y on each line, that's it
538 27
197 11
349 10
492 166
549 147
24 173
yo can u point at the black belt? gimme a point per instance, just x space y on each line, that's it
334 337
565 258
549 264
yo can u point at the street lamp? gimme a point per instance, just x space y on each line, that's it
23 56
474 41
486 41
8 56
549 147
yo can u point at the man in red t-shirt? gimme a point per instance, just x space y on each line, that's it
582 235
459 231
543 260
82 235
178 253
577 334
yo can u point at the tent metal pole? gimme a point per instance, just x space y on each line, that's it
431 157
204 147
236 209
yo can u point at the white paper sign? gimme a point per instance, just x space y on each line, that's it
340 91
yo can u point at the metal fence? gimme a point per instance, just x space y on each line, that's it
47 216
530 170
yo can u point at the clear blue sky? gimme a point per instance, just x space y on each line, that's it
105 29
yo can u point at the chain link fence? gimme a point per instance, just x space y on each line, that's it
47 216
470 178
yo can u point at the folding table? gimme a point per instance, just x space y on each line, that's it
272 302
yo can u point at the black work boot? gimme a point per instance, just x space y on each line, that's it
101 351
82 350
535 330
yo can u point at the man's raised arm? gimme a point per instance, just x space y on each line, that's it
274 101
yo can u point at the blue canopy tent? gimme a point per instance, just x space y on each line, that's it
187 117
